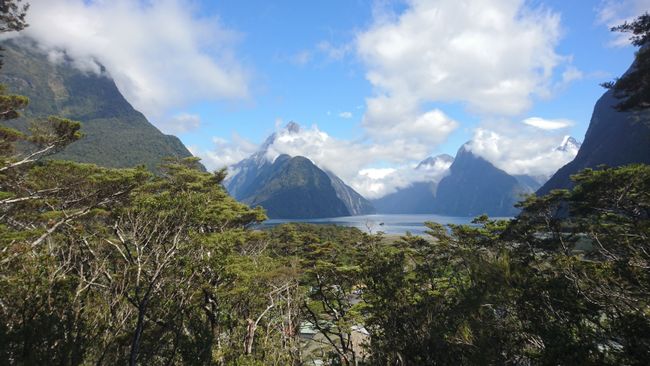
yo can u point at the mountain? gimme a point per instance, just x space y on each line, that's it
474 186
353 201
432 162
295 188
613 138
419 197
292 187
115 134
569 144
530 183
243 175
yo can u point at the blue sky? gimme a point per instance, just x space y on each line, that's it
377 85
275 36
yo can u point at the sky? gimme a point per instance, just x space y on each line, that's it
377 86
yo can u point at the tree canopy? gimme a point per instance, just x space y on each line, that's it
634 87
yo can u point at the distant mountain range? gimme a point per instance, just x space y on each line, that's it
419 197
613 139
292 187
115 134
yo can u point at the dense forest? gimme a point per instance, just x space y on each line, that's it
102 266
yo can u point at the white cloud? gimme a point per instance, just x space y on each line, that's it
493 56
160 54
226 152
388 118
548 124
378 182
346 115
614 12
522 151
182 122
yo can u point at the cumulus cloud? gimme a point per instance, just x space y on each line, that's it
160 54
522 151
493 56
614 12
548 124
395 117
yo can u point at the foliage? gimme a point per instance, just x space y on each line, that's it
634 86
115 134
12 15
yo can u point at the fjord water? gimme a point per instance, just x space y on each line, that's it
389 224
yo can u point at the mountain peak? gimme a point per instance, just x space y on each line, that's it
292 127
431 161
465 150
569 144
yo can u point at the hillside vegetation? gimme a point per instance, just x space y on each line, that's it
114 133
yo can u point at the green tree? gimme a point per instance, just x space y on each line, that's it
634 86
12 17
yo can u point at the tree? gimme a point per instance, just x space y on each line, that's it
12 17
634 87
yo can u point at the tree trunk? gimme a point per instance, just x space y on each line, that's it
250 336
137 337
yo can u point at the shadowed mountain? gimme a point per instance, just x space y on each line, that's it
613 138
115 134
295 188
474 186
418 198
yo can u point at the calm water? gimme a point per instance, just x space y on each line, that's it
389 224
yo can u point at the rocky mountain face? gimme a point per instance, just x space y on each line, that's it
353 201
292 187
613 138
115 134
474 186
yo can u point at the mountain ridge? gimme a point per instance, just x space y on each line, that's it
613 138
292 182
475 186
115 134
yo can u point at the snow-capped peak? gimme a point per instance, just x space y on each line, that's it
569 144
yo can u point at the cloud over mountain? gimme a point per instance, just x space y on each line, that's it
161 54
522 151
